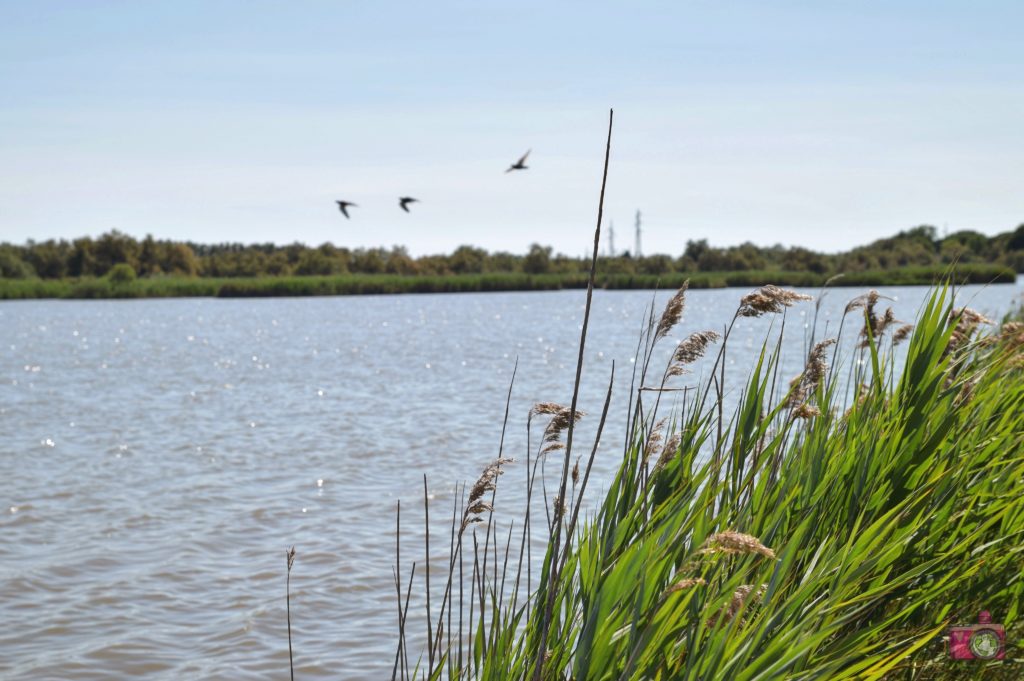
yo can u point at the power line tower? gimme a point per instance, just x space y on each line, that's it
611 239
637 250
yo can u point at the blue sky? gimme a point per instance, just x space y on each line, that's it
824 124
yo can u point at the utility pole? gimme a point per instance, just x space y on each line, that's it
637 250
611 239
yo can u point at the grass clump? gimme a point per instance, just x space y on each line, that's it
817 532
814 533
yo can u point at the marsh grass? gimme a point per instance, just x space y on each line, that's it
838 543
828 528
363 284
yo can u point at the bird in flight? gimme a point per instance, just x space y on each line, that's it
520 164
343 206
405 201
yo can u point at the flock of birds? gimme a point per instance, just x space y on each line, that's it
404 201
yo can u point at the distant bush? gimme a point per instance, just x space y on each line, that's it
120 274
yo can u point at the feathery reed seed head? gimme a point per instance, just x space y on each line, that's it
867 300
669 450
684 584
673 311
768 299
560 422
743 593
901 334
736 542
546 408
487 482
654 439
807 382
694 347
806 411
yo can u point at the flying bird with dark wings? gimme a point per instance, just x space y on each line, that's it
520 164
343 206
405 201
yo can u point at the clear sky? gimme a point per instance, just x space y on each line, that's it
825 124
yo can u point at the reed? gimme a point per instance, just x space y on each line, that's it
878 524
382 284
288 608
832 530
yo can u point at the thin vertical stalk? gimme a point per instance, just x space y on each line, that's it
288 608
556 539
426 559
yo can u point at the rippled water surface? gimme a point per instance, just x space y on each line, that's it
159 456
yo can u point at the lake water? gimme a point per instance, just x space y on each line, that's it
158 457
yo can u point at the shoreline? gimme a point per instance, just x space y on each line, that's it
378 284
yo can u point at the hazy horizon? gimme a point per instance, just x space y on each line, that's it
824 127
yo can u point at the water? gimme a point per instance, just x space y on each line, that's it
158 457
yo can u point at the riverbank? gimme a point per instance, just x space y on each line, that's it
364 284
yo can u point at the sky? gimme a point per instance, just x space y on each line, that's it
820 124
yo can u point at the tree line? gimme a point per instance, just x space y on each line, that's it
149 257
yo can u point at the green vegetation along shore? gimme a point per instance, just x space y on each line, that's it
129 286
116 265
835 525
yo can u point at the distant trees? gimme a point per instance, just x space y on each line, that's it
96 257
538 260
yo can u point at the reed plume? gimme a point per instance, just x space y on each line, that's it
669 450
806 411
967 321
546 408
654 438
684 584
487 482
867 301
743 593
901 334
673 311
558 424
873 323
768 299
690 350
814 372
735 542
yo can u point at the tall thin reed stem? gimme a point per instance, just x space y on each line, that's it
556 539
288 608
